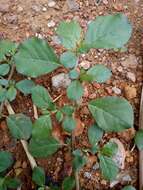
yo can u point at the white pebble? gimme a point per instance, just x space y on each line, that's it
116 90
51 4
51 24
131 76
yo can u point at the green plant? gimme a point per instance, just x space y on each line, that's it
33 58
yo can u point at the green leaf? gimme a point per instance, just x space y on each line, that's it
41 188
75 90
95 148
3 82
68 110
12 183
35 57
42 128
108 168
11 93
59 116
139 139
20 126
4 69
70 34
129 187
73 74
41 97
69 59
68 183
69 124
38 176
94 134
6 47
25 86
112 113
2 94
109 149
2 184
79 160
109 32
43 148
6 160
99 73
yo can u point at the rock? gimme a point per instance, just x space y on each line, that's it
13 19
105 2
130 62
116 90
61 80
120 69
19 9
131 76
87 175
51 3
130 92
56 40
36 8
73 6
4 8
51 24
92 96
85 64
95 166
44 9
118 6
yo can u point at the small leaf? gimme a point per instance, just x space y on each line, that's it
109 149
12 183
94 134
59 116
95 149
79 160
41 97
73 74
69 124
129 187
68 183
108 168
68 110
6 160
112 113
2 184
4 69
70 34
139 139
69 59
20 126
2 94
3 82
75 90
25 86
99 73
42 128
11 93
35 57
38 176
43 148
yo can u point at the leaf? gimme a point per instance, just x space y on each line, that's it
2 184
68 59
68 183
94 134
42 128
20 126
79 160
12 183
11 93
38 176
3 82
25 86
69 124
35 57
112 113
41 97
43 148
6 160
108 32
108 168
4 69
75 90
109 149
70 34
6 47
99 73
2 94
129 187
68 110
59 116
73 74
139 139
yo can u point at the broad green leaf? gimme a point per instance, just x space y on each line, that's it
68 183
12 183
59 116
69 59
3 82
20 126
6 160
2 184
68 110
2 94
4 69
109 149
69 124
38 176
11 93
41 188
6 47
70 34
43 148
75 90
129 187
112 113
109 32
35 57
41 97
73 74
139 139
25 86
79 160
95 148
108 168
99 73
94 134
42 128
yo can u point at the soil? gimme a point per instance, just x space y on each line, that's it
27 18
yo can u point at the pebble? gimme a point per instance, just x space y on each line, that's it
51 4
44 9
120 69
61 80
36 8
92 96
51 24
130 62
131 76
85 64
130 92
56 40
116 90
13 19
105 2
87 175
95 166
4 8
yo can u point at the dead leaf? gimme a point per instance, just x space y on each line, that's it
79 128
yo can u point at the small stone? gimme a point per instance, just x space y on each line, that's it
85 64
51 24
116 90
85 110
51 4
130 92
36 8
87 175
20 9
13 19
44 9
95 166
86 93
105 2
73 5
4 8
92 96
126 178
130 62
118 6
120 69
56 40
131 76
61 80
